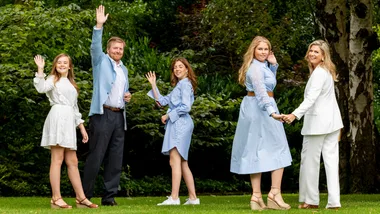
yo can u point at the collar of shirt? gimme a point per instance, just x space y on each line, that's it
255 61
114 62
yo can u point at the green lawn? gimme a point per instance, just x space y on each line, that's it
209 204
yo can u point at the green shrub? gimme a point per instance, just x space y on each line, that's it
48 31
376 78
141 58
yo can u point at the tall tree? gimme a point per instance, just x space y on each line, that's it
347 26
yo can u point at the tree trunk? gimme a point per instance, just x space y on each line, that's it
363 149
347 26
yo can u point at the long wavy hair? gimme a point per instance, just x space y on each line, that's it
249 55
70 73
191 75
326 58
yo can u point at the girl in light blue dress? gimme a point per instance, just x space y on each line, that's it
260 143
179 126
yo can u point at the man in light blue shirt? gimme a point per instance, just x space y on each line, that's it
107 115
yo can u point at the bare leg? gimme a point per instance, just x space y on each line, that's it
57 155
175 164
277 177
189 180
72 169
256 186
257 202
275 200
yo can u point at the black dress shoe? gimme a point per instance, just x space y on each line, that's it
109 203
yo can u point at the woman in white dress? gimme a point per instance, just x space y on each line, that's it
59 133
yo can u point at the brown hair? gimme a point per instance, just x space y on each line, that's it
326 58
115 39
70 73
191 75
249 55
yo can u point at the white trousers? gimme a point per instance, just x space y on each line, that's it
312 148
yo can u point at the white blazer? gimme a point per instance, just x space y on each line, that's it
322 115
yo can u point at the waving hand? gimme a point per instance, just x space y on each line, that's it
101 18
40 62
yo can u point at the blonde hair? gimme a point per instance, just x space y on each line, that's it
115 39
70 73
326 58
249 55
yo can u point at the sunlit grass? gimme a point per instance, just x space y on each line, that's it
357 203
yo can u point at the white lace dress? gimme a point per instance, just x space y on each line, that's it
63 118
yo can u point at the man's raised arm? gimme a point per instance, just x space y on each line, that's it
96 44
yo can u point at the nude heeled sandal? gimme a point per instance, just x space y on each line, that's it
276 204
80 204
257 205
54 205
307 206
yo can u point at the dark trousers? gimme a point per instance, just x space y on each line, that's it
106 145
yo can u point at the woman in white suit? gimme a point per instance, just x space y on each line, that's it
321 129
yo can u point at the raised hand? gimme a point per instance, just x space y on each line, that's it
271 58
40 62
101 18
151 76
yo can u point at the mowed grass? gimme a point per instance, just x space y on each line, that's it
357 203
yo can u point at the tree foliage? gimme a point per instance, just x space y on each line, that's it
224 29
